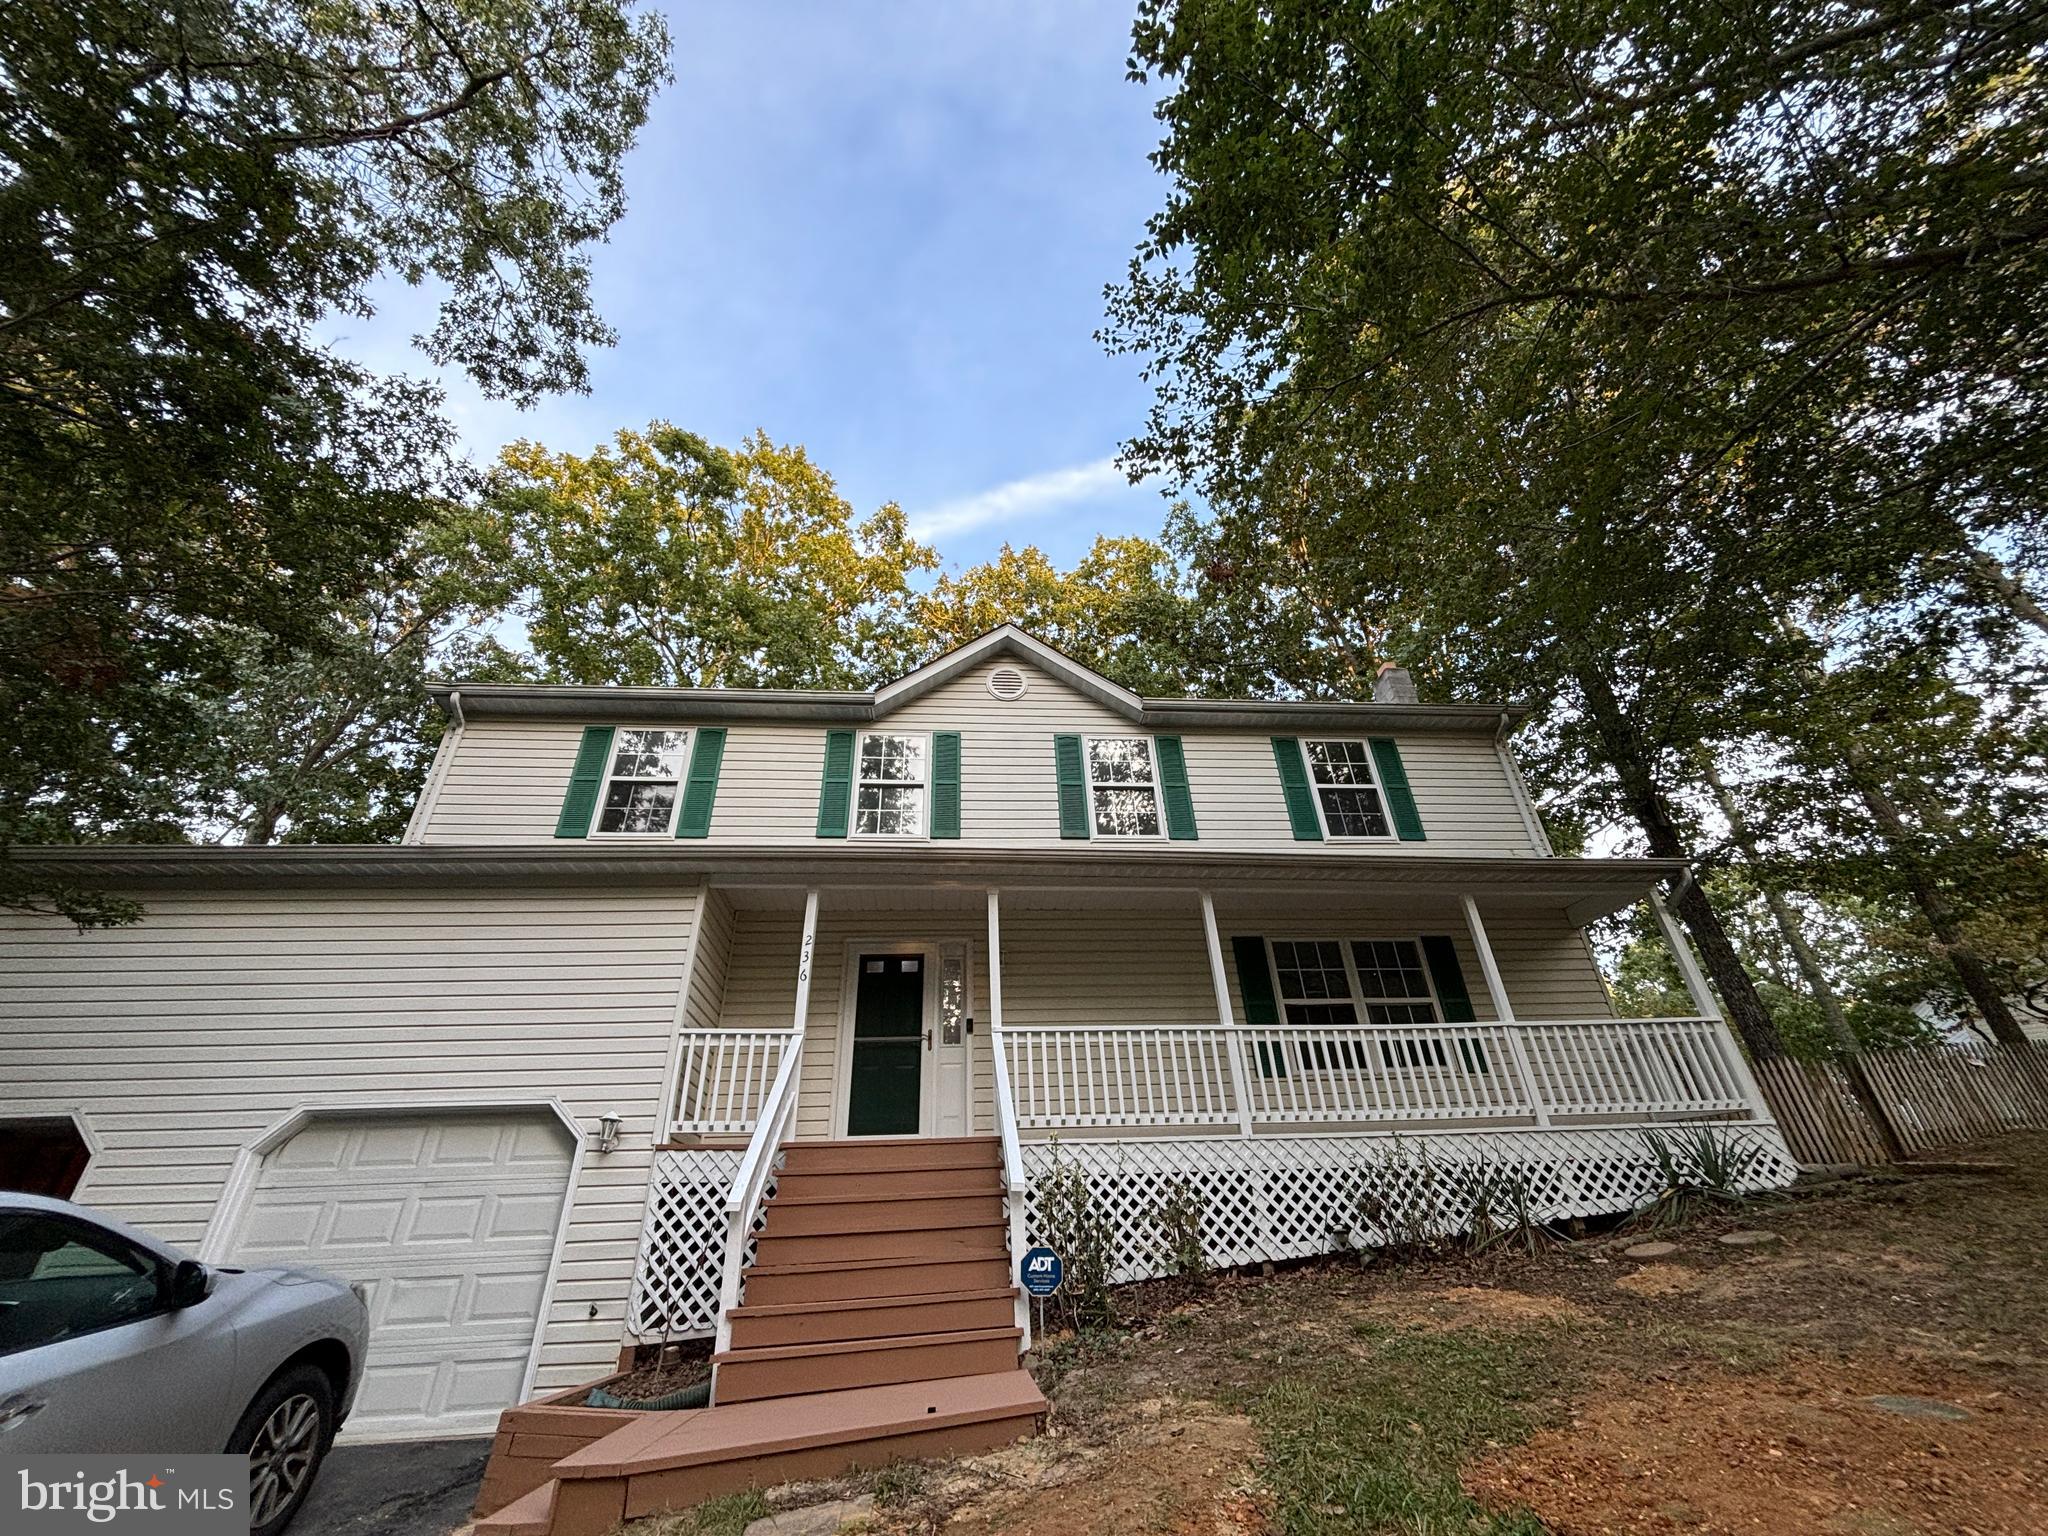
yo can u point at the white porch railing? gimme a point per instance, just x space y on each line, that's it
723 1078
1079 1076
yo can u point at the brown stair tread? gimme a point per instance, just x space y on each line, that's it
531 1514
868 1303
864 1346
994 1191
768 1426
890 1261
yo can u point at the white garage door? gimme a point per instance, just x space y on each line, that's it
449 1220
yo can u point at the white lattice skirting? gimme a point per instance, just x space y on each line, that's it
682 1245
1292 1197
1262 1197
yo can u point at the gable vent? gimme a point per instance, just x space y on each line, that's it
1006 683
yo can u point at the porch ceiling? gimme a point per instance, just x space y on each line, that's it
1585 889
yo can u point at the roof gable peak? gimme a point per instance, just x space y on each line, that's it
1007 640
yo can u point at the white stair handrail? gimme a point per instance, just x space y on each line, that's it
778 1111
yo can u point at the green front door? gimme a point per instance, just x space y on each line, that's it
888 1047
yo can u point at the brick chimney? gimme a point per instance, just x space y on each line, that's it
1393 685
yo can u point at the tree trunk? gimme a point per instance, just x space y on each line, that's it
1808 960
1927 893
262 827
1789 927
1646 803
2005 586
1933 902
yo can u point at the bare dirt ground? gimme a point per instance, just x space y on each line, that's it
1878 1370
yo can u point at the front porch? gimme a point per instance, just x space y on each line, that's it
1175 1036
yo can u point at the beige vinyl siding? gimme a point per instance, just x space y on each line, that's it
185 1037
714 956
760 993
506 779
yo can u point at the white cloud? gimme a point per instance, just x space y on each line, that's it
1032 496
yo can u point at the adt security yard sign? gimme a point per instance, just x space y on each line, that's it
1040 1271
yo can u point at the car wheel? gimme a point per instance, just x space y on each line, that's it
285 1435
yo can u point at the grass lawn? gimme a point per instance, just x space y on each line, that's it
1878 1370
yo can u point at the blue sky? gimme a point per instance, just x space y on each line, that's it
881 231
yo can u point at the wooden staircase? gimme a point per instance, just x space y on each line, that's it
879 1323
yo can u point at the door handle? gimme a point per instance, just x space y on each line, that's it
18 1410
927 1039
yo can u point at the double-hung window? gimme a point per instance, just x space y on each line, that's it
1325 984
1347 796
890 796
644 784
1315 993
1123 786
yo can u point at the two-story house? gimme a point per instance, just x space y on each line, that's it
762 1014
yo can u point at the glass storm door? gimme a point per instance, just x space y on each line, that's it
888 1047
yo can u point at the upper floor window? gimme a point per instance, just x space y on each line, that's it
890 795
1123 786
1346 795
643 787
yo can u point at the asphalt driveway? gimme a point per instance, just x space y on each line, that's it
405 1488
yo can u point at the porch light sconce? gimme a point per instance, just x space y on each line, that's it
608 1131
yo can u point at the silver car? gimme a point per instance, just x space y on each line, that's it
111 1341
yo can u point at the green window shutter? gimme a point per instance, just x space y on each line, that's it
835 792
1294 787
1386 759
586 782
1441 956
945 784
1173 785
700 788
1073 786
1255 991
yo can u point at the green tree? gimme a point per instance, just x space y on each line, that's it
330 742
185 193
662 559
1569 349
1123 609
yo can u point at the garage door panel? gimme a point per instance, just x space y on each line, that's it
449 1224
361 1221
385 1147
446 1216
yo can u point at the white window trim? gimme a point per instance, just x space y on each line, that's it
604 785
1315 792
924 818
1158 789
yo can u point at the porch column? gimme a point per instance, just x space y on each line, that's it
1006 1111
1703 1000
803 960
1233 1046
1504 1011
